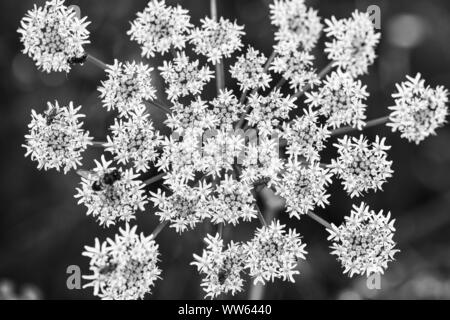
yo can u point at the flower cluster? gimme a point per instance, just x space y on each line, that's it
183 77
353 42
134 140
123 268
249 70
341 100
304 187
222 268
419 110
364 244
111 194
274 253
361 165
159 28
56 139
227 109
217 39
53 36
127 87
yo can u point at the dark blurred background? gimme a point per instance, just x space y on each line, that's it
43 231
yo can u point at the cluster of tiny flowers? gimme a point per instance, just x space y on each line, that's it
341 100
232 201
227 109
111 194
184 208
305 137
295 66
222 268
304 187
134 140
53 36
127 88
183 77
56 139
123 268
353 42
296 23
269 111
159 28
221 152
249 70
217 39
274 253
362 166
364 244
419 110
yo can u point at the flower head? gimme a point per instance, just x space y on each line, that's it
305 136
362 166
217 39
268 112
56 139
221 266
249 71
159 28
123 268
304 187
111 194
341 99
296 23
353 43
53 36
134 140
183 77
127 87
419 110
364 244
184 208
227 109
295 65
232 201
273 253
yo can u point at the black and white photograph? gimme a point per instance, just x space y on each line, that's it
229 153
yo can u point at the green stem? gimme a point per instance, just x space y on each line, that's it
98 144
159 228
220 74
96 62
154 179
318 219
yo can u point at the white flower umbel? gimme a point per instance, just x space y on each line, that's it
305 136
268 112
123 268
56 139
249 70
419 110
127 87
184 208
296 23
134 140
295 65
227 109
231 202
353 42
303 186
261 162
53 36
195 117
217 39
184 78
111 194
341 99
159 28
274 254
220 149
363 244
362 166
222 267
